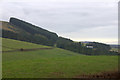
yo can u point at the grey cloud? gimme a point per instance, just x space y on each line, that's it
67 18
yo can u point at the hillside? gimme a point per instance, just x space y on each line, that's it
50 63
21 30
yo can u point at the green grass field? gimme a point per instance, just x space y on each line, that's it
114 49
52 63
10 44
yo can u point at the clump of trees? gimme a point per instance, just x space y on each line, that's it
98 48
68 44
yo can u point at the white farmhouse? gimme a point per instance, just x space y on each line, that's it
89 46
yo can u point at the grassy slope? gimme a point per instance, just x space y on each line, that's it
51 63
6 26
10 44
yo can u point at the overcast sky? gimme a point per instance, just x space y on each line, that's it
79 20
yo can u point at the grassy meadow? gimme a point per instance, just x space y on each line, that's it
51 63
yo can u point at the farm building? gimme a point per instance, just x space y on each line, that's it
89 46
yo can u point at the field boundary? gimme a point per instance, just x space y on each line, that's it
22 49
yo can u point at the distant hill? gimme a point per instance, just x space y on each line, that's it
24 31
85 41
115 46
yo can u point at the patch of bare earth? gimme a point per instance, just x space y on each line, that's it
108 75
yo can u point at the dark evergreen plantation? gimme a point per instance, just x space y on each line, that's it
24 31
27 32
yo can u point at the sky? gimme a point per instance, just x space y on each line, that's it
79 20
